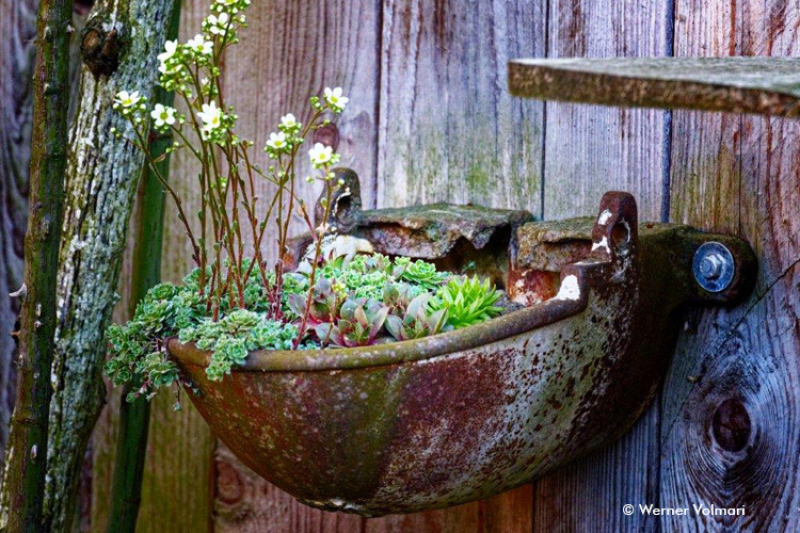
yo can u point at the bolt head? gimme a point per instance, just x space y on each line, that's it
711 266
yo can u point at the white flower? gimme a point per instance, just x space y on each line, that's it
218 25
200 45
211 116
126 99
170 47
277 141
335 99
320 155
289 122
163 115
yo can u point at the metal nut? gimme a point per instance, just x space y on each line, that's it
713 267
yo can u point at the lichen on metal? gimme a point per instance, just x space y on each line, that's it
425 232
464 415
431 231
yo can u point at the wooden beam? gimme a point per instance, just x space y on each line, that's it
765 86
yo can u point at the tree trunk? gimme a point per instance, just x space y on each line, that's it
120 44
134 417
17 54
29 424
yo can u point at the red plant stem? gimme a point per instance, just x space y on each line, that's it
317 252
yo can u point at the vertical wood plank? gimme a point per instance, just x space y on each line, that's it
591 150
246 503
449 130
180 444
730 434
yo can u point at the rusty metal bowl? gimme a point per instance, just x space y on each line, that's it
464 415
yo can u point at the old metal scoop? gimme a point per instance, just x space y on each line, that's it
464 415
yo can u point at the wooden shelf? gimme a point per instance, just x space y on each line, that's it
765 86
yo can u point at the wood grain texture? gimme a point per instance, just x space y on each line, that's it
18 26
449 131
590 150
735 84
425 98
730 434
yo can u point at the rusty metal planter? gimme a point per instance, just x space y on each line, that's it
439 421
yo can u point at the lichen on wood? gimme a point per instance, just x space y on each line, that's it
102 174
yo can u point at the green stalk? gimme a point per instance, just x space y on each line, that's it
134 417
27 449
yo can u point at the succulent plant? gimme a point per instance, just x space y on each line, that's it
357 300
418 320
360 324
397 296
325 303
468 301
235 335
419 273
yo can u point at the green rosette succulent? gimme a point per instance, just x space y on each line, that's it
468 301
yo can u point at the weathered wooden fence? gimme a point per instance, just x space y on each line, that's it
431 120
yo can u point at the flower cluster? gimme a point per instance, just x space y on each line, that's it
130 104
228 286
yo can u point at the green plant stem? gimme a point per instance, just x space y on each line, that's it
27 448
134 417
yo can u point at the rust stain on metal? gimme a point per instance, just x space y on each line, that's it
464 415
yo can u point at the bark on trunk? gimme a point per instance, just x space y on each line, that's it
17 54
29 423
134 418
120 44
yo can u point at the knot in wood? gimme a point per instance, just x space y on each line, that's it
327 135
230 487
100 48
731 425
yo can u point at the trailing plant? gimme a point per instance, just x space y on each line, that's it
231 338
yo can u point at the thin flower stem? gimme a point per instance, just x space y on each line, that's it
317 252
171 191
